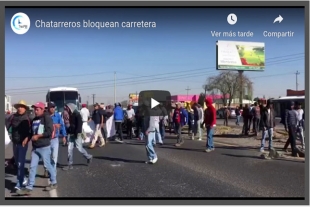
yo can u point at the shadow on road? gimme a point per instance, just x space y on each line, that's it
65 165
180 148
113 159
233 136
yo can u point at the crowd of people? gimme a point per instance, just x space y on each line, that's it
261 118
47 126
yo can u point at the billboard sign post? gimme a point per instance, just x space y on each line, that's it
240 56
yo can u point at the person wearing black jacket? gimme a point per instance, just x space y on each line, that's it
104 113
20 125
41 132
268 123
75 139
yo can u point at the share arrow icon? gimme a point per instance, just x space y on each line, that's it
278 19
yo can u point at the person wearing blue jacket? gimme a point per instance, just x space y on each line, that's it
118 120
59 129
180 117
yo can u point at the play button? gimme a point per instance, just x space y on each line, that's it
154 103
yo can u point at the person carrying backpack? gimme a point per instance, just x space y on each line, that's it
19 124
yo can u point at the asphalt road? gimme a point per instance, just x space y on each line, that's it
119 170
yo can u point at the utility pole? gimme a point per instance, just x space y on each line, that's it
297 73
94 98
114 87
188 89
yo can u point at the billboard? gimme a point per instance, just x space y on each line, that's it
244 56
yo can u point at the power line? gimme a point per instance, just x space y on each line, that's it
135 82
90 74
146 81
143 77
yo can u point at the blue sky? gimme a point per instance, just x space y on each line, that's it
178 53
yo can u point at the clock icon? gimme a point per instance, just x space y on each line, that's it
232 19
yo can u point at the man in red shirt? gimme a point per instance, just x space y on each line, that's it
210 123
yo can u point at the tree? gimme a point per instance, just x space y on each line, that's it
228 83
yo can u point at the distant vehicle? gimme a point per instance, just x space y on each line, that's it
281 104
232 113
62 96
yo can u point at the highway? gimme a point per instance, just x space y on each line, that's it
119 170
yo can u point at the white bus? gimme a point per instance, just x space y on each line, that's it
282 103
62 96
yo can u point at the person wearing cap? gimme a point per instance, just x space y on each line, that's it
268 123
210 123
41 132
118 119
19 124
179 119
59 129
291 124
75 138
98 119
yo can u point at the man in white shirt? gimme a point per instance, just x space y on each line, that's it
85 116
300 127
130 113
84 113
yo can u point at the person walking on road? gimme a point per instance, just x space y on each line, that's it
150 134
210 123
130 116
66 117
163 121
75 139
104 131
268 124
118 119
256 119
58 129
238 115
180 119
200 121
20 126
191 123
250 117
85 117
98 119
41 132
245 116
226 116
291 124
157 131
300 127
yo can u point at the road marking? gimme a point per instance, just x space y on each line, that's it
53 193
